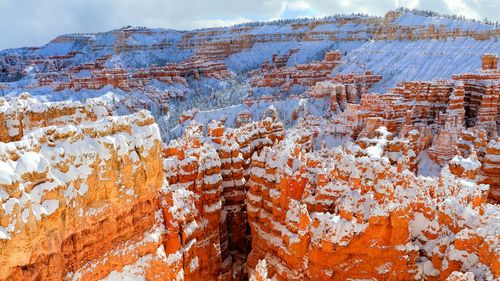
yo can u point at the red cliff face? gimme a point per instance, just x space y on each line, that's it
100 76
277 75
210 172
81 201
376 28
352 185
350 214
230 203
343 89
490 62
491 168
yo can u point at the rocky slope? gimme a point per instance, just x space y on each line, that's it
267 153
169 71
79 198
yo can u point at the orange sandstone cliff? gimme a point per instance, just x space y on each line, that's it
332 182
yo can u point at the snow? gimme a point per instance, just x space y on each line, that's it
429 59
416 60
22 113
295 209
427 167
376 151
190 228
173 258
194 264
31 162
336 229
468 276
78 148
384 268
418 224
395 60
212 208
424 269
7 175
467 163
495 144
409 19
4 235
131 272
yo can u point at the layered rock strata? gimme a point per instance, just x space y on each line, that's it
352 206
212 170
95 76
299 75
24 114
79 202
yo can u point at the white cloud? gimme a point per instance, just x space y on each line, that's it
298 5
461 8
35 22
411 4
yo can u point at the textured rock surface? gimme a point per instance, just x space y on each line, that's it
278 160
24 114
79 202
277 75
352 206
196 67
211 170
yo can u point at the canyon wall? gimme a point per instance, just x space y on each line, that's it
87 196
81 201
349 213
134 59
212 168
277 75
24 114
311 176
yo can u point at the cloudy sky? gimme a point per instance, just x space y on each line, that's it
35 22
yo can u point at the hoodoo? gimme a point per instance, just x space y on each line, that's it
351 147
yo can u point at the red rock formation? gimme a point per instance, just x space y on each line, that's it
439 108
80 202
216 45
219 49
343 89
490 62
482 93
440 112
491 168
213 42
196 168
24 114
212 170
260 272
243 118
86 196
325 214
100 76
278 61
307 206
302 74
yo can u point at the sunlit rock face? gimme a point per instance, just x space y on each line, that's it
349 213
210 171
354 211
277 75
24 114
79 201
344 148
